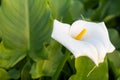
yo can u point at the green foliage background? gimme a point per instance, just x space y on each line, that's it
27 51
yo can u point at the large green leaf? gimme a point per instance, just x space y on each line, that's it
86 70
24 26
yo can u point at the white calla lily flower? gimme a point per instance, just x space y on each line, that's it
84 38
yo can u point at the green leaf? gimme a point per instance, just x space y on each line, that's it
23 23
113 7
114 37
90 4
4 75
49 66
114 63
59 7
76 9
14 74
9 58
24 26
25 75
100 12
86 70
106 8
112 21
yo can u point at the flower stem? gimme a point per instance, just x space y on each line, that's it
60 67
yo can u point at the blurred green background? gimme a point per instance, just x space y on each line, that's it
27 51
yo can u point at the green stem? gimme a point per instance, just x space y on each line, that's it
60 67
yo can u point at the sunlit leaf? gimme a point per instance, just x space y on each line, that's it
9 58
24 26
4 75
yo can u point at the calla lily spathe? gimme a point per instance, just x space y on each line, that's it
94 41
